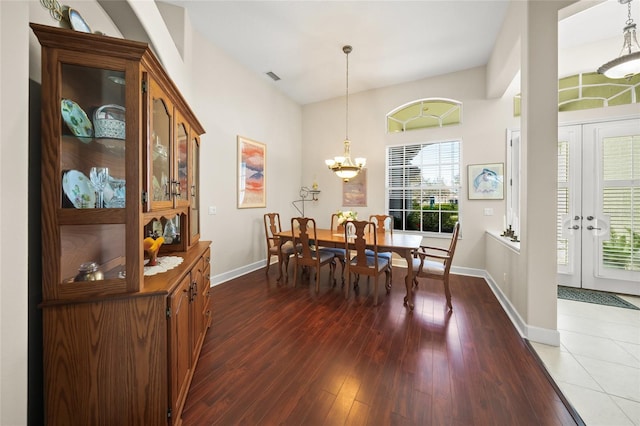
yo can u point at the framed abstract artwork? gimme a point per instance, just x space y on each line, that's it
354 192
252 180
485 181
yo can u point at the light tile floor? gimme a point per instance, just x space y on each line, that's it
597 365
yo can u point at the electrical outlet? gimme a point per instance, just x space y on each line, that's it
488 211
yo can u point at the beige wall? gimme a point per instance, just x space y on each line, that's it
483 141
232 101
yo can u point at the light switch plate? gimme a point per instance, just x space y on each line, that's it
212 210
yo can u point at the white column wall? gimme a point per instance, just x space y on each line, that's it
14 146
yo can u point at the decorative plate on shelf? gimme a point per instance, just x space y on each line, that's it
79 190
71 18
76 119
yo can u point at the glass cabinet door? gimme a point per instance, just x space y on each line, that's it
181 183
91 169
194 178
160 151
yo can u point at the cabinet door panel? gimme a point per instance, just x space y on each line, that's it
206 291
197 311
160 148
181 182
194 179
180 344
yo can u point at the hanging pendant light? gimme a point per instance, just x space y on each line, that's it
628 63
343 166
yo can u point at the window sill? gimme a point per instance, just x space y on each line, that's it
515 246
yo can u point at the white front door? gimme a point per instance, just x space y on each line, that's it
599 206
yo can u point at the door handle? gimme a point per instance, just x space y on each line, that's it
591 228
590 217
574 227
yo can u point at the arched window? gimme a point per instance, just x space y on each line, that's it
592 90
424 113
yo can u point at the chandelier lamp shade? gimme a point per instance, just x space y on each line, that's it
627 64
343 166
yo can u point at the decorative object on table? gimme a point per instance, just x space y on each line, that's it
252 160
89 271
99 177
627 64
163 264
151 247
76 119
79 190
346 215
354 191
343 166
109 122
485 181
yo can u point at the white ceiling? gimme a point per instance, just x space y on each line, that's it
393 41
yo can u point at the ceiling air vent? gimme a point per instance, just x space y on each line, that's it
273 76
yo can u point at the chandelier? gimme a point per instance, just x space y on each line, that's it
628 63
343 166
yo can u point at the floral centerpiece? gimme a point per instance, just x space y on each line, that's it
346 215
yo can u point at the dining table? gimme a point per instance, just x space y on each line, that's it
402 244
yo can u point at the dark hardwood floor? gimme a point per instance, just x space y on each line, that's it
282 355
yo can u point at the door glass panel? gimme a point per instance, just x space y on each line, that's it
195 188
183 144
92 137
563 201
621 202
160 136
101 245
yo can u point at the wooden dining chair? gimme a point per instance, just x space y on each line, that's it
305 237
338 252
271 228
384 224
439 267
362 264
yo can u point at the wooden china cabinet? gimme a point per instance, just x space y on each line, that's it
120 163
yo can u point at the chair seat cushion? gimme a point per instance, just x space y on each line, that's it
337 252
429 267
382 263
324 255
384 254
287 248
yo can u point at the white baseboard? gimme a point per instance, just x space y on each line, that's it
535 334
235 273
